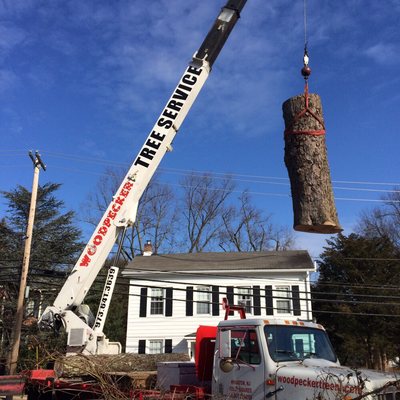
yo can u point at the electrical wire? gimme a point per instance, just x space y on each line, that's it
261 193
227 276
215 174
255 279
307 296
249 295
351 313
194 284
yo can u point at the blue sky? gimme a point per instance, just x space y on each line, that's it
84 81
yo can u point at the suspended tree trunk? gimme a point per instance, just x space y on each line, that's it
307 164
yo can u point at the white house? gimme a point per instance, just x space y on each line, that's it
171 295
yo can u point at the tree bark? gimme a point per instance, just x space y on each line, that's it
307 164
80 364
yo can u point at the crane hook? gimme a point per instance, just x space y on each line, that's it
306 70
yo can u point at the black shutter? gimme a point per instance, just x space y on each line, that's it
168 301
143 302
215 300
142 347
256 300
296 300
189 301
230 297
168 345
269 305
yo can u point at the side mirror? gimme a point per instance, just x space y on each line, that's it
226 365
224 343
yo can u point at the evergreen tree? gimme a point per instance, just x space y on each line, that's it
355 299
55 245
55 240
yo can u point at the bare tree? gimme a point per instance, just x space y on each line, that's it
282 238
156 215
98 201
383 221
247 228
204 206
205 221
156 219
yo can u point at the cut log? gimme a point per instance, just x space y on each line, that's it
94 365
307 164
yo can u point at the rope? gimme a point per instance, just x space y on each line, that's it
306 110
306 71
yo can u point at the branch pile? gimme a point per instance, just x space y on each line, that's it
114 376
83 364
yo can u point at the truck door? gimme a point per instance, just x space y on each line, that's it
239 368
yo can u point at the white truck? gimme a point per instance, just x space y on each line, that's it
283 360
270 358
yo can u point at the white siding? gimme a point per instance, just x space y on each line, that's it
179 325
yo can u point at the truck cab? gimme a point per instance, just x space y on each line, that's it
284 360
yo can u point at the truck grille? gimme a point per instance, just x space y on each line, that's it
390 393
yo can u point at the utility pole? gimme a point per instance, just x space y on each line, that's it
16 332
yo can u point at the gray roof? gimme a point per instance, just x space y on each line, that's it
264 260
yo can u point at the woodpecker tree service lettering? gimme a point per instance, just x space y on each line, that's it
168 116
113 210
161 130
340 387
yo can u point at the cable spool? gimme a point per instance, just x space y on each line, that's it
306 159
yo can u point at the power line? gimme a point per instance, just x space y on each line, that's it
187 171
375 287
257 193
362 258
249 178
236 277
76 170
307 297
250 295
236 178
19 152
247 278
274 308
62 275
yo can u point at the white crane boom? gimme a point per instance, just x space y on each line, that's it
121 212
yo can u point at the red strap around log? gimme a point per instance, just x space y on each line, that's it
301 114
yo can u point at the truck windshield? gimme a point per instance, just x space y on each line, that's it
294 343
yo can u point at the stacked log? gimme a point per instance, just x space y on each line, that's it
307 164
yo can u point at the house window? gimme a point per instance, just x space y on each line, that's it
155 346
203 299
157 301
244 298
283 301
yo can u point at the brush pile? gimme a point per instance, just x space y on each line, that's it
80 365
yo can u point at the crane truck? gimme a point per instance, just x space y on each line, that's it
240 358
